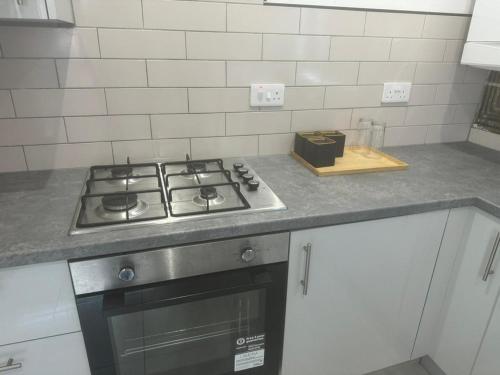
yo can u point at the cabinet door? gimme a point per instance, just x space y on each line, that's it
470 299
366 290
488 359
36 301
23 9
58 355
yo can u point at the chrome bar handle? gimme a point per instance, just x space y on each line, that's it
305 281
488 271
10 365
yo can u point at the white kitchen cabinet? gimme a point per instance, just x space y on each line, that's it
469 300
37 10
37 301
488 359
367 286
57 355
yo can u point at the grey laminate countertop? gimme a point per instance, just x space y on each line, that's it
36 208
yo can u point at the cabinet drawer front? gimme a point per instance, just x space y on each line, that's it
37 302
23 9
58 355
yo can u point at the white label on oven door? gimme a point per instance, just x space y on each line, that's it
248 360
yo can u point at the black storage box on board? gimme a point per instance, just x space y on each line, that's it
320 151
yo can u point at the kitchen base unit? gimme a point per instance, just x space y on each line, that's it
356 293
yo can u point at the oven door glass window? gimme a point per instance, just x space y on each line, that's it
213 336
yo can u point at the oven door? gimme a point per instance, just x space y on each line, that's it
217 324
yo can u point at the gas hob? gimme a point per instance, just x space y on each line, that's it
125 195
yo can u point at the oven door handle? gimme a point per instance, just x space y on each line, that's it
114 302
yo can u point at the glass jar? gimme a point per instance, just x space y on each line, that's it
377 138
363 139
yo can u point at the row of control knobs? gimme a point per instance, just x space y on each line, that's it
247 178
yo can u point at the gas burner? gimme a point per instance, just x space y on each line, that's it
117 203
208 195
121 172
116 207
194 169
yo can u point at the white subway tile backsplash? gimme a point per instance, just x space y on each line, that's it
224 147
108 13
150 150
453 52
12 159
146 100
422 94
459 93
392 116
244 73
223 46
40 42
447 133
322 119
188 125
59 102
142 44
353 96
403 136
332 22
219 100
185 73
272 144
371 73
6 107
304 98
296 47
445 27
22 73
107 128
405 25
70 155
32 131
429 115
429 73
327 73
417 49
101 73
360 49
262 19
247 123
464 113
184 15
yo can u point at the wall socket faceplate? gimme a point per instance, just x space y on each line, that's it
396 92
267 94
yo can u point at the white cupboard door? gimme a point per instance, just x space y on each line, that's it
488 360
366 291
57 355
36 301
23 9
470 299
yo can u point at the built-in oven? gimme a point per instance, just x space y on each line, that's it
212 308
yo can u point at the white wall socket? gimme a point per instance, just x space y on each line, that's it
396 92
267 95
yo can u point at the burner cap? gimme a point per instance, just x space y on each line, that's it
208 192
121 171
196 167
118 203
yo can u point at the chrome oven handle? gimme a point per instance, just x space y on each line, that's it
488 271
10 365
305 280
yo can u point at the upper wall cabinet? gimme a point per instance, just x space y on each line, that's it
40 11
483 42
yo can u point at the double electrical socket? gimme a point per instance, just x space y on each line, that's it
396 92
267 94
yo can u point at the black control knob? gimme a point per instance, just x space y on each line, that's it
242 171
237 166
253 185
126 274
246 178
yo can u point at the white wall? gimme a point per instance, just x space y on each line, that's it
429 6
